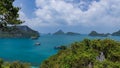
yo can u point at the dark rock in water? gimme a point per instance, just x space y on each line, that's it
72 33
18 32
94 33
60 47
60 32
116 33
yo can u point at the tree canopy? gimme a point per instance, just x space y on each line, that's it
9 13
15 64
87 54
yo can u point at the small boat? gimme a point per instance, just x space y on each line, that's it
37 43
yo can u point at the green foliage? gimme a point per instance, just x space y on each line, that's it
84 55
18 64
15 64
8 13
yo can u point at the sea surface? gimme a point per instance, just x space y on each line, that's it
25 50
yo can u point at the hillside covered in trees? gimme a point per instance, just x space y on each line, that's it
87 54
18 32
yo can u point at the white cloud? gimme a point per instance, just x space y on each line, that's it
103 12
58 12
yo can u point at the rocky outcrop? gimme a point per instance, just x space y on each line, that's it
101 57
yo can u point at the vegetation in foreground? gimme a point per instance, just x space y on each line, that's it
87 54
15 64
8 14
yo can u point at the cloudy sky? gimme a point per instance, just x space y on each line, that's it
80 16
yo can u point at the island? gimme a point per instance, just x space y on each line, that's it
59 32
117 33
72 33
18 32
94 33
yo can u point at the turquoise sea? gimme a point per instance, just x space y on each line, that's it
25 50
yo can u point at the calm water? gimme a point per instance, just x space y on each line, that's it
25 50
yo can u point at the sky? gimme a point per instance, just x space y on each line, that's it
82 16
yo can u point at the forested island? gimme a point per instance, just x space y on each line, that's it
94 33
60 32
18 32
72 33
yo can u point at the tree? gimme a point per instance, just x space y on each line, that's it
8 13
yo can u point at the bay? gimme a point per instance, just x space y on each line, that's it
25 50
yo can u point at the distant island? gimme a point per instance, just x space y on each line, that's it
72 33
117 33
18 32
60 32
94 33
